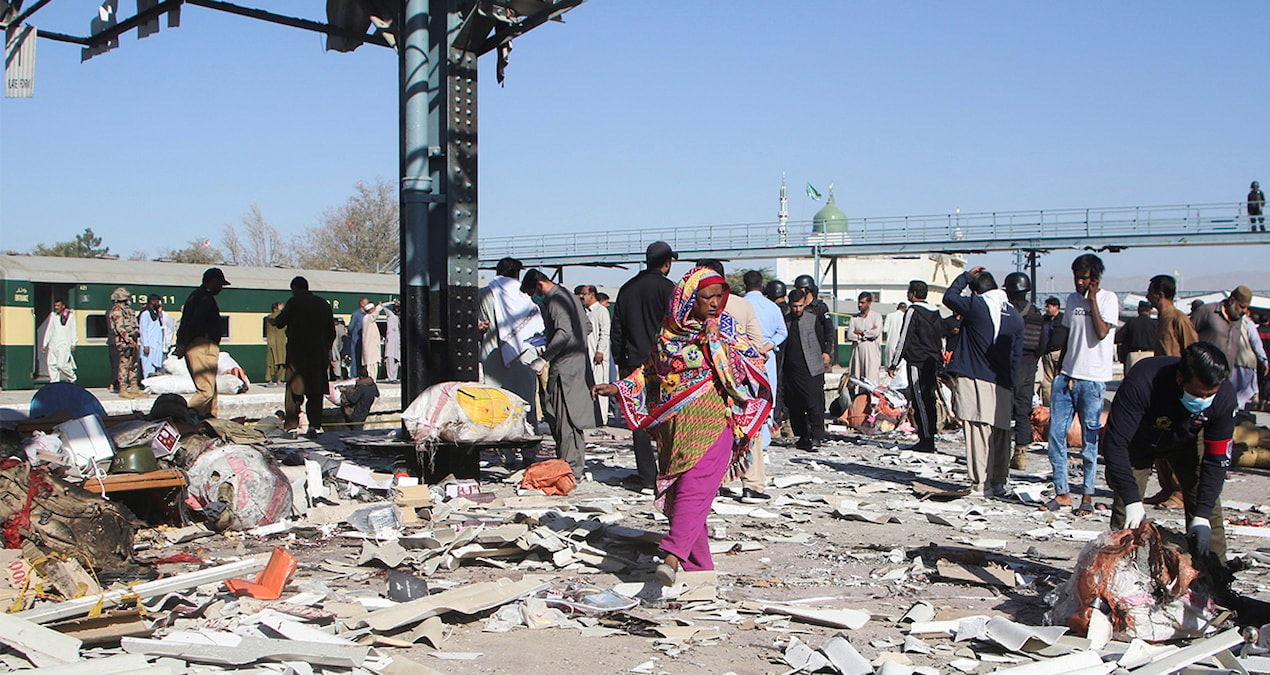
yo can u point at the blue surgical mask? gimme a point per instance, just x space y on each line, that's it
1195 404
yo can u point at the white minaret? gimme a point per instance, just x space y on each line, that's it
782 218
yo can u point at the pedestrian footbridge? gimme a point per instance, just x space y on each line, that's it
1100 229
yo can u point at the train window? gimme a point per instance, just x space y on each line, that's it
224 326
95 326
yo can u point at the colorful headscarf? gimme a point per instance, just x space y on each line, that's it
691 356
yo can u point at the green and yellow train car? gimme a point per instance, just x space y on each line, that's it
30 284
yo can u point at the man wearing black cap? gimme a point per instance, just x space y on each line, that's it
641 307
198 339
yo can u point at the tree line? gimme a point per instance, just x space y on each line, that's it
359 235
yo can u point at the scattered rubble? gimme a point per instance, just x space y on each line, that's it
252 550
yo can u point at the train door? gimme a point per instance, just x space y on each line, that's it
45 294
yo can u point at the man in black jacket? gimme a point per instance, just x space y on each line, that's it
641 307
804 371
1017 288
310 331
1160 410
919 345
198 339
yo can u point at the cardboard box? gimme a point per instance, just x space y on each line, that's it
165 441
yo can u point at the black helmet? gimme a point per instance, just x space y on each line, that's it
805 281
774 289
1017 283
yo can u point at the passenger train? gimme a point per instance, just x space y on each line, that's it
30 284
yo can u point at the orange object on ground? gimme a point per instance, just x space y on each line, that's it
553 477
270 582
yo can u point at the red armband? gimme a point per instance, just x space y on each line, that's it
1221 448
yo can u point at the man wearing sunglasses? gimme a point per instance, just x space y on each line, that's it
1163 409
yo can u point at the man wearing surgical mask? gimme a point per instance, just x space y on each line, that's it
1161 410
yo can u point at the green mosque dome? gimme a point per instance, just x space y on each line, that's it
830 219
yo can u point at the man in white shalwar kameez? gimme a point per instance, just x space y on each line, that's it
60 340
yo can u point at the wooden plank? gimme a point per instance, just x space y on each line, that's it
124 482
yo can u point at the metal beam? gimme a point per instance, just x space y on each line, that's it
19 19
507 34
294 22
128 24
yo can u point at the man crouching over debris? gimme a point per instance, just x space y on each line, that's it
1159 412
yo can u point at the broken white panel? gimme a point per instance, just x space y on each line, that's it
1195 652
964 665
851 619
1077 662
866 516
313 485
1099 631
844 656
360 475
971 628
915 645
1248 531
1080 535
1013 636
119 664
294 630
895 668
920 612
800 657
1029 493
783 482
946 627
223 649
1258 665
729 508
41 646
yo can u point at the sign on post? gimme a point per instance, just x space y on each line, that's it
19 62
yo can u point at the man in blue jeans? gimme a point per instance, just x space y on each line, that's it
1081 384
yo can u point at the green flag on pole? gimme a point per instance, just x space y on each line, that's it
812 192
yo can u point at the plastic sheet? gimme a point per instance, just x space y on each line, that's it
466 412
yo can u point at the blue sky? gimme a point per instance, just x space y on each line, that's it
641 113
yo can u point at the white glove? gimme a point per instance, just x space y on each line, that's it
538 365
1134 514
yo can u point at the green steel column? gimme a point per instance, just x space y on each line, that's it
417 58
438 197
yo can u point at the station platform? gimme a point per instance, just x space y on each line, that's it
259 401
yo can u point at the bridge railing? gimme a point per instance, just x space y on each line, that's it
935 230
